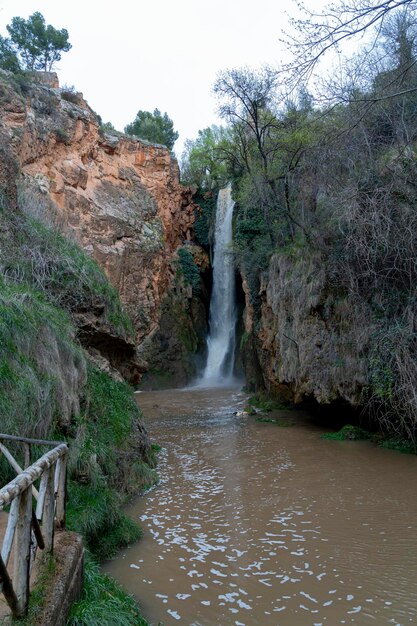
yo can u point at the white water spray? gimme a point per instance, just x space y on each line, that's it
222 320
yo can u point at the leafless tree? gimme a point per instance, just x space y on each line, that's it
316 33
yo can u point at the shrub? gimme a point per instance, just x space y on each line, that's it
253 246
189 269
62 136
391 395
69 93
204 218
23 82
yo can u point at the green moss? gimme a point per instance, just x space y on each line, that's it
395 443
244 339
181 324
348 432
284 422
105 469
267 403
95 511
383 440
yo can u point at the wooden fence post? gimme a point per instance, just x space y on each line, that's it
51 469
61 490
10 531
7 587
22 552
47 511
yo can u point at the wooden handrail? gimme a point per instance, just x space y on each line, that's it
8 455
19 484
27 529
36 442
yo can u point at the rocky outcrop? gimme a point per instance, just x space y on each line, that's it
118 196
176 349
310 341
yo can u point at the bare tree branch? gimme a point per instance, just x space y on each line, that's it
317 33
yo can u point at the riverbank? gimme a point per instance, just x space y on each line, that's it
348 425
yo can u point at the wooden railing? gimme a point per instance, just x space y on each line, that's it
29 528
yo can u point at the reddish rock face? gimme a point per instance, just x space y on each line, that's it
119 196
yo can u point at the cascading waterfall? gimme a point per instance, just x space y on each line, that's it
222 318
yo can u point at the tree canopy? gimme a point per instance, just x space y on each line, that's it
32 44
332 181
155 127
8 57
203 161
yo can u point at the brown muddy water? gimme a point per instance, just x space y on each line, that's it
257 524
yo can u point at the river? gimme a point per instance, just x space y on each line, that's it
258 524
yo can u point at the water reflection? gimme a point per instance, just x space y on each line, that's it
257 524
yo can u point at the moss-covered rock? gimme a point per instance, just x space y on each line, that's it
348 433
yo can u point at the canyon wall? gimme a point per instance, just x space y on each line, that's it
118 196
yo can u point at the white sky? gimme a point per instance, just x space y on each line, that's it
163 54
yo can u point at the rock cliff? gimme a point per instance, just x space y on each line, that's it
118 196
310 342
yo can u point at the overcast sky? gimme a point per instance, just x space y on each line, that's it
163 54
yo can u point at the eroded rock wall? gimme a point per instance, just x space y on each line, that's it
309 340
120 197
176 350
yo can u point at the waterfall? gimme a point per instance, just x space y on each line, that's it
222 318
